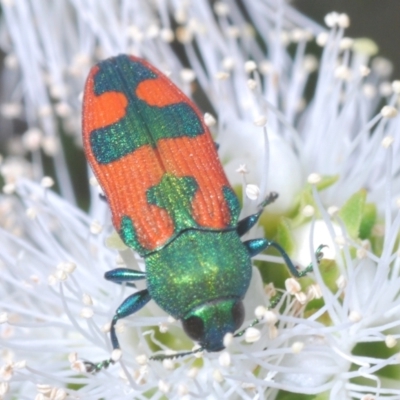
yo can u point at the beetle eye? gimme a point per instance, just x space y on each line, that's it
194 327
238 314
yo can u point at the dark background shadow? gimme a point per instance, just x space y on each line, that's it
378 20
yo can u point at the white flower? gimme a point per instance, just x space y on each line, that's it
330 156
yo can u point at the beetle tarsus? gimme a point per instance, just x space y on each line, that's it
247 223
94 368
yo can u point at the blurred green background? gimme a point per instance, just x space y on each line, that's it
377 19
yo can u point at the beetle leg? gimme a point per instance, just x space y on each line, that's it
255 246
247 223
128 307
103 197
123 275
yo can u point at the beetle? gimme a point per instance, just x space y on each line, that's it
170 200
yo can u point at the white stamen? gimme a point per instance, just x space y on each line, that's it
168 364
389 112
222 75
242 169
270 317
167 35
171 319
292 286
250 66
93 181
3 318
308 211
4 388
396 87
355 316
273 332
314 292
386 89
343 21
297 347
310 63
217 376
47 182
11 61
228 339
224 359
31 213
252 191
261 120
346 43
364 70
387 141
32 139
251 84
209 119
266 67
301 297
331 19
63 109
182 390
184 35
333 210
322 39
95 227
228 63
193 372
163 386
87 300
188 75
343 72
9 188
11 110
252 335
141 359
369 91
314 178
340 240
390 341
260 311
86 313
61 276
221 9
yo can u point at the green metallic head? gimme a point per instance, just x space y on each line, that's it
210 322
200 278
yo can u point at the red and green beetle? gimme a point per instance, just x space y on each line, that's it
170 199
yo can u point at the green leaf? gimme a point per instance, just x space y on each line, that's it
282 395
326 181
284 235
352 213
368 220
305 198
114 241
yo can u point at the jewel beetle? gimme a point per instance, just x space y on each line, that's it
170 200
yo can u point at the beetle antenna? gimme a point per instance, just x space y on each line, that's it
162 357
94 368
273 303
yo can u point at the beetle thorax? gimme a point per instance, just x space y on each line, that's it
198 267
